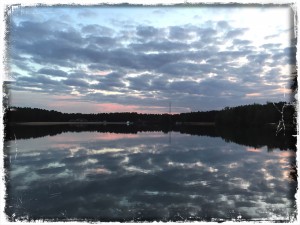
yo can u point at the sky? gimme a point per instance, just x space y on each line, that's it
94 59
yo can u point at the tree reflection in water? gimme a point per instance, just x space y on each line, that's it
249 137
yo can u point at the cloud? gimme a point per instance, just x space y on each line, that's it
207 35
95 29
205 58
87 13
162 45
235 33
271 46
140 83
178 33
103 42
112 79
258 59
242 43
53 72
186 69
76 82
148 32
223 25
40 79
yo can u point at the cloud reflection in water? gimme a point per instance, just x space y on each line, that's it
146 176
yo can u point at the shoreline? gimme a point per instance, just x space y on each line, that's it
68 123
196 123
105 123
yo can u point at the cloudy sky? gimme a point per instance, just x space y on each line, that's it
117 59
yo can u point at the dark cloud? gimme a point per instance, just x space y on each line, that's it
40 79
148 32
22 63
96 29
75 82
30 31
87 13
155 61
51 52
78 74
160 46
40 83
109 82
159 84
70 36
184 69
140 83
99 66
223 25
47 171
259 59
218 88
235 33
240 42
271 46
207 35
103 42
230 55
52 72
178 33
189 87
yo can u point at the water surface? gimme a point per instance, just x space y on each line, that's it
146 176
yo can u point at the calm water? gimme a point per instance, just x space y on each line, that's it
146 176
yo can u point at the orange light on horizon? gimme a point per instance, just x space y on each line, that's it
283 90
102 72
256 94
249 149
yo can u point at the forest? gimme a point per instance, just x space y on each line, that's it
255 115
271 124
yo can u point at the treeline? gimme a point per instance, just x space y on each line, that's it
257 115
254 115
18 114
207 117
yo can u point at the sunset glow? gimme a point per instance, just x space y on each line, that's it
248 149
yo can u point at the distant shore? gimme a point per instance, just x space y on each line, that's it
196 123
104 123
69 123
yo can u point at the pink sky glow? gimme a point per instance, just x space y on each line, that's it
87 107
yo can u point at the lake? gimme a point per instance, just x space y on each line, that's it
146 176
